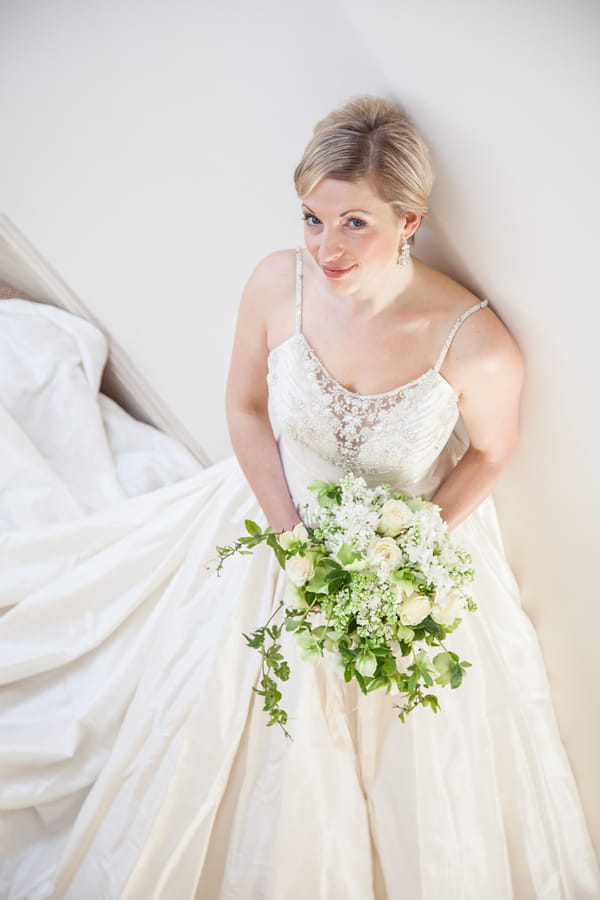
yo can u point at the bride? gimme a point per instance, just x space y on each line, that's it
140 765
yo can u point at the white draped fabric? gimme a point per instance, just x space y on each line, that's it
135 761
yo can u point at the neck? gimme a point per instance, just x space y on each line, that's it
387 292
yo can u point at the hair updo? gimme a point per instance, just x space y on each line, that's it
371 138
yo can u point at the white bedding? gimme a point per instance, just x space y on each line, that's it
66 449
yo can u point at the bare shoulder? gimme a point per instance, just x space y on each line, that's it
275 265
269 295
271 277
483 346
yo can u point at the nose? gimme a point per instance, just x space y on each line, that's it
330 247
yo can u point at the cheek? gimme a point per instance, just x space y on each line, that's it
311 238
378 248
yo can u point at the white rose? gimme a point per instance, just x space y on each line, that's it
446 614
300 533
299 569
394 517
414 609
384 552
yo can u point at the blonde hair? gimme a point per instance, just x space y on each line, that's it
371 138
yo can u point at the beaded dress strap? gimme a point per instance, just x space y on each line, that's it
298 290
454 329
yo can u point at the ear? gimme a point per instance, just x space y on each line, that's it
412 220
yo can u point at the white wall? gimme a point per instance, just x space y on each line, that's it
148 150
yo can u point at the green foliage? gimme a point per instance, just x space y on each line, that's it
252 528
450 669
347 610
346 555
273 666
328 493
245 544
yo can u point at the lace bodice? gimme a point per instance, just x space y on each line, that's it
405 436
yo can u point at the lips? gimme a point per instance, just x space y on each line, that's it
336 271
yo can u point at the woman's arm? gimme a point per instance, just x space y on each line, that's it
247 399
486 368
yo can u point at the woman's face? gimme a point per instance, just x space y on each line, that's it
352 234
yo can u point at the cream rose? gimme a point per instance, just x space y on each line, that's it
394 517
414 609
446 614
299 569
384 552
300 533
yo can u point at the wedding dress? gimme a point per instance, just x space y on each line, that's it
136 763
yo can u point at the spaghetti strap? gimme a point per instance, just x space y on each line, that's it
453 331
298 290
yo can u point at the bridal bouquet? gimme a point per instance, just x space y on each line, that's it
372 586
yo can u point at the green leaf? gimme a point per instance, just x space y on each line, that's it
334 635
279 552
282 671
328 493
361 681
318 583
257 639
291 624
346 555
376 684
420 671
381 651
404 632
432 701
272 698
413 679
450 669
337 581
389 666
320 485
433 628
252 528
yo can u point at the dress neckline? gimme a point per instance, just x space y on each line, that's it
355 394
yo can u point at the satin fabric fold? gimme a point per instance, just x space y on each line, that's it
135 761
158 777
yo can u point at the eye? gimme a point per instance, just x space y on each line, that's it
308 216
356 223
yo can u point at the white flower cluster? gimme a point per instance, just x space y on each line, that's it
374 578
400 544
355 520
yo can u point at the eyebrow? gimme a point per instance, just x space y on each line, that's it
363 211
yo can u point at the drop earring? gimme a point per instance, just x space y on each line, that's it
403 255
